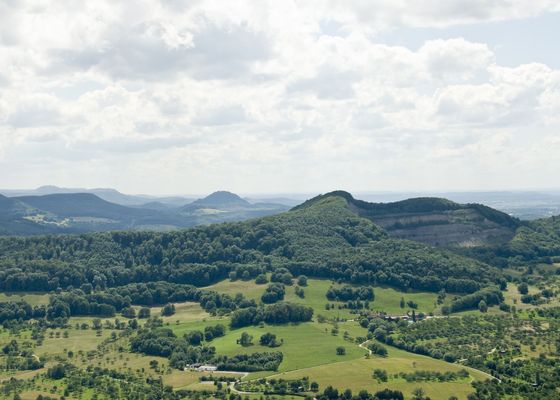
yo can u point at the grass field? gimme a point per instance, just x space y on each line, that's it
249 289
305 345
184 312
309 349
357 374
386 299
77 340
34 298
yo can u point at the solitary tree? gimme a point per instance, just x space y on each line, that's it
261 279
245 339
96 324
194 337
168 309
144 312
418 394
128 312
523 288
340 351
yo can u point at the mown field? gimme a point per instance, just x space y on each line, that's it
357 374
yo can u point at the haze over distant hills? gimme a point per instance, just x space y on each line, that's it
64 212
107 194
51 209
523 204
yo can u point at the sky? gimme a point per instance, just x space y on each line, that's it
178 97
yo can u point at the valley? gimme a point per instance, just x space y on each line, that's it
316 302
308 348
279 200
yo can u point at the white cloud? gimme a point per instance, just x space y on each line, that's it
513 96
205 92
382 14
221 116
455 58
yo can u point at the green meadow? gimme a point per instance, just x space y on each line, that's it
309 349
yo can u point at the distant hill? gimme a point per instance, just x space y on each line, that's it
10 208
435 221
86 212
226 206
525 205
221 199
16 218
111 195
82 205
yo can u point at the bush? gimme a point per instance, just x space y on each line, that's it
380 375
269 339
261 279
245 339
57 371
144 312
128 312
378 349
168 310
523 288
274 292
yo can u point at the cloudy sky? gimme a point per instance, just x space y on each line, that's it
171 96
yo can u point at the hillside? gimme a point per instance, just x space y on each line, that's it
16 219
81 205
435 221
10 208
324 238
472 230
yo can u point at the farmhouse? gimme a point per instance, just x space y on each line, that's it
207 368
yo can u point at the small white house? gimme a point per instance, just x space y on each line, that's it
207 368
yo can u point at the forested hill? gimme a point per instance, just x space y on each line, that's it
473 230
12 218
80 204
220 198
10 207
435 221
324 238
